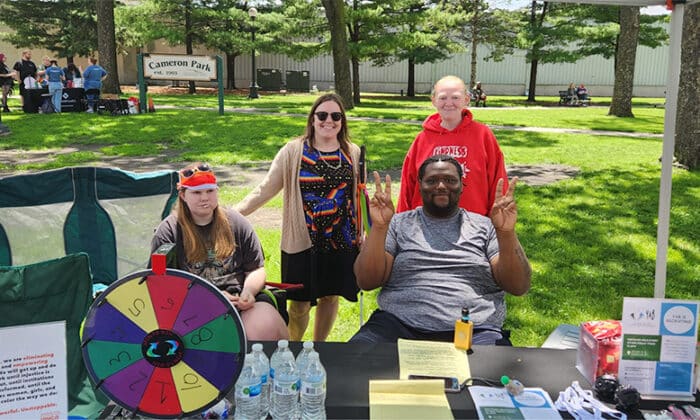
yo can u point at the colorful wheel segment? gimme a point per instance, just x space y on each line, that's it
163 346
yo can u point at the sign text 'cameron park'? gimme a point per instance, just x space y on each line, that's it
179 67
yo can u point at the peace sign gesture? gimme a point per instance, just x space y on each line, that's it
381 208
504 212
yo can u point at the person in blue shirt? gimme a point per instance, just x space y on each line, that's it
55 76
93 76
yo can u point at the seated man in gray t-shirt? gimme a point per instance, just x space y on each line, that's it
437 259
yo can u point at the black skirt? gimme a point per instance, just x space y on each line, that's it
321 273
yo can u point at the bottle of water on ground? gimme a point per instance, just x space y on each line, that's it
303 356
247 392
285 383
264 369
313 389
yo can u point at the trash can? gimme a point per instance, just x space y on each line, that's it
269 79
297 81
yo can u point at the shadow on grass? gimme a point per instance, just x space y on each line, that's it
592 241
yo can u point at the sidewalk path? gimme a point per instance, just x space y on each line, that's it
258 111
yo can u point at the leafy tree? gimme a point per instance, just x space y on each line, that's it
179 22
222 25
298 29
687 146
106 45
565 33
335 13
548 36
417 32
67 27
478 24
228 31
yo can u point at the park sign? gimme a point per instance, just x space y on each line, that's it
179 67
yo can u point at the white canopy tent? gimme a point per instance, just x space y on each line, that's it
674 69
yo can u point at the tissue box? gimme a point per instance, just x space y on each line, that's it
599 348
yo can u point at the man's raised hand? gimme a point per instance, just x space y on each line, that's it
381 208
504 212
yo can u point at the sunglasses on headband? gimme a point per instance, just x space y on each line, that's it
188 172
323 115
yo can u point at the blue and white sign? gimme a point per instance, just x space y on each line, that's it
659 339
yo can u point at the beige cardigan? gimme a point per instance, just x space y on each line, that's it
284 174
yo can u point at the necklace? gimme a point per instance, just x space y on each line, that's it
336 167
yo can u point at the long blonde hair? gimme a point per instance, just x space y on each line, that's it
194 244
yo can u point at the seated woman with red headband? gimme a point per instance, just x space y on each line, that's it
220 245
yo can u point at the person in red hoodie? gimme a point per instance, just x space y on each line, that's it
453 131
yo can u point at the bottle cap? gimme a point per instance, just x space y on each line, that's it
308 344
505 380
465 313
283 343
257 347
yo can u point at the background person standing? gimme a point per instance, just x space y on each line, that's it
93 76
452 131
25 68
55 77
6 81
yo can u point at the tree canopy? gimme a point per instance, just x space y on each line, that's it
67 27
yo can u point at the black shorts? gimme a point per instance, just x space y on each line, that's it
276 298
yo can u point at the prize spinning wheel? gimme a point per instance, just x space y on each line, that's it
163 345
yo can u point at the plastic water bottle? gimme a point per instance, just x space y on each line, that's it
303 356
248 389
313 389
285 383
264 369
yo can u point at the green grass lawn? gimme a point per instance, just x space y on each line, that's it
591 239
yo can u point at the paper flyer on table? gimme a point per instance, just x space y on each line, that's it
659 339
33 378
403 399
418 357
496 403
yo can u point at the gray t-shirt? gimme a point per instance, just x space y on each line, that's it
441 266
227 274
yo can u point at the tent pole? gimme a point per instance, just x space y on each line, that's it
674 69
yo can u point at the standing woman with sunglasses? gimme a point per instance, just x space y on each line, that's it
320 234
221 246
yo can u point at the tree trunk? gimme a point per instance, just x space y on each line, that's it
107 46
354 31
335 13
411 90
535 49
532 86
231 71
475 43
625 55
687 146
355 80
188 41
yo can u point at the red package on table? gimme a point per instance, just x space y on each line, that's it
599 348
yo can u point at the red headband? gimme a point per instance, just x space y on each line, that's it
199 181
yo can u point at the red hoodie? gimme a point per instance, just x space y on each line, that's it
475 148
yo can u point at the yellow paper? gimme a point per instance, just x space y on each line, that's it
432 358
396 399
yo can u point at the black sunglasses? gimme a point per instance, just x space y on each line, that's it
323 115
188 172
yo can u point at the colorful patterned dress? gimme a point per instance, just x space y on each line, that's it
326 181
